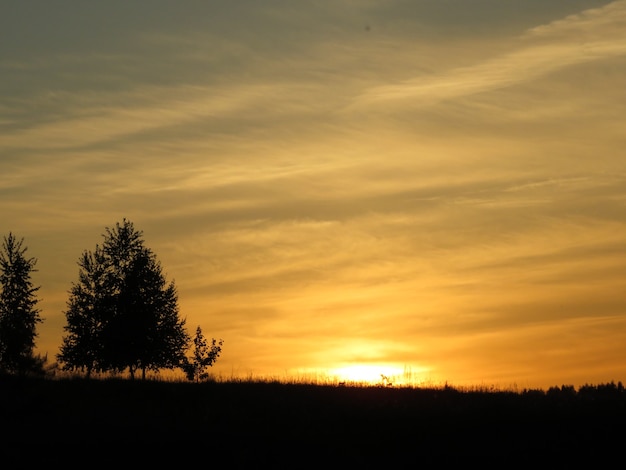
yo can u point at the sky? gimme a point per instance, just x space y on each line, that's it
429 190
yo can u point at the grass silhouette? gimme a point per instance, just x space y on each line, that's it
264 421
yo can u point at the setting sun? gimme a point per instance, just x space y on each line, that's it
369 374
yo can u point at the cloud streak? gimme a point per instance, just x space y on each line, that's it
579 39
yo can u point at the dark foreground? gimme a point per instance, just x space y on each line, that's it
247 425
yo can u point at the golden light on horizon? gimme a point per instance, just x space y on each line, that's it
378 374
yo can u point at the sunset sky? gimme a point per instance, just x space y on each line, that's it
431 186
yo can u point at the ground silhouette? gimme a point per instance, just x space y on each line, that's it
253 423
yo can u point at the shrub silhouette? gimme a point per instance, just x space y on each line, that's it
203 357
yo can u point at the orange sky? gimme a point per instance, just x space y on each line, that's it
388 186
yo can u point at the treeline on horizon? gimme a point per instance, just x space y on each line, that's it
122 315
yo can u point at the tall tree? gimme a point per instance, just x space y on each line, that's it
123 314
86 314
18 313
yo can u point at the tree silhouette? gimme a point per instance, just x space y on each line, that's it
203 357
122 314
18 313
86 315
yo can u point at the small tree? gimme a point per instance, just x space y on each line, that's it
203 357
122 314
18 313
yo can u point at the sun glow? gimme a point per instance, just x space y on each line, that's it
370 374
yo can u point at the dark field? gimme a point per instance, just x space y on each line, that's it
248 424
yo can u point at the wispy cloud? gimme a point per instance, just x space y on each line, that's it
98 124
590 36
